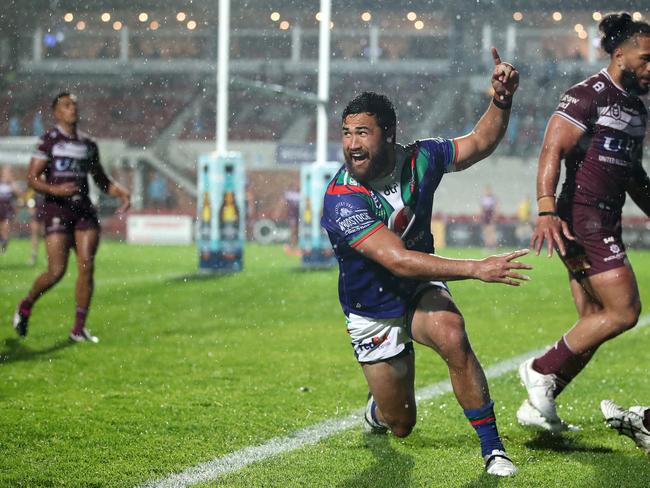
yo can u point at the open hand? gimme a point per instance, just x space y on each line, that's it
550 228
126 204
499 268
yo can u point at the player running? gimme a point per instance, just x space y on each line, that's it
598 129
35 203
66 156
377 212
8 191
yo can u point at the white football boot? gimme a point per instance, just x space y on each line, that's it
369 424
529 416
499 464
627 422
540 388
84 336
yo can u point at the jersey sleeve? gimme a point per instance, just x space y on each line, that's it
43 149
577 106
440 154
350 218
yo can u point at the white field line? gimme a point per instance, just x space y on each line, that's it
211 470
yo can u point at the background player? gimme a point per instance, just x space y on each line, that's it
8 191
35 202
488 218
66 157
598 128
385 290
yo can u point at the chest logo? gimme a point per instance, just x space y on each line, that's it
390 189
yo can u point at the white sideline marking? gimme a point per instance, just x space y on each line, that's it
211 470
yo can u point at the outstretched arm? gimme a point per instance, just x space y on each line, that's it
385 248
490 129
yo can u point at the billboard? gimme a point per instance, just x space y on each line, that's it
221 212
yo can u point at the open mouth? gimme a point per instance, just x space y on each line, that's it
359 157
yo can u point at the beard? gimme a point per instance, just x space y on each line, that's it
375 167
632 84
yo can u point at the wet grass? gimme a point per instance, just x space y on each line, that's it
191 369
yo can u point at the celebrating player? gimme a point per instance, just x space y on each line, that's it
377 212
598 129
65 157
8 191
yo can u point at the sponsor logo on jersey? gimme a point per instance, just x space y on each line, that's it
351 220
621 119
567 100
390 189
73 150
375 199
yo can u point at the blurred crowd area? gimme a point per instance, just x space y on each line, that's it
142 110
150 85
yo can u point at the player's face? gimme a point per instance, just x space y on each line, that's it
365 148
636 65
66 111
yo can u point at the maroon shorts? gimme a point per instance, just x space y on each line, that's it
66 219
598 246
6 211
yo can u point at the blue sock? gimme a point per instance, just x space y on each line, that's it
485 425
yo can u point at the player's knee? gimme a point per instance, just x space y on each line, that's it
402 427
626 318
454 341
56 272
86 266
631 317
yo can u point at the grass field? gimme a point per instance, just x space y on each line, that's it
190 369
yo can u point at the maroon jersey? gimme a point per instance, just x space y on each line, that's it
609 152
6 198
6 193
69 160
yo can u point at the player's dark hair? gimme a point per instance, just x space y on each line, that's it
618 28
61 95
374 104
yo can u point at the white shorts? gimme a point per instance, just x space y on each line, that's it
380 339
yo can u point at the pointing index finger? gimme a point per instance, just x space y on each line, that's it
516 254
496 57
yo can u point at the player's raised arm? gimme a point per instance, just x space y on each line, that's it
491 127
387 249
561 137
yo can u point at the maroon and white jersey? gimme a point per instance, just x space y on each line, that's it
69 160
6 192
614 125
